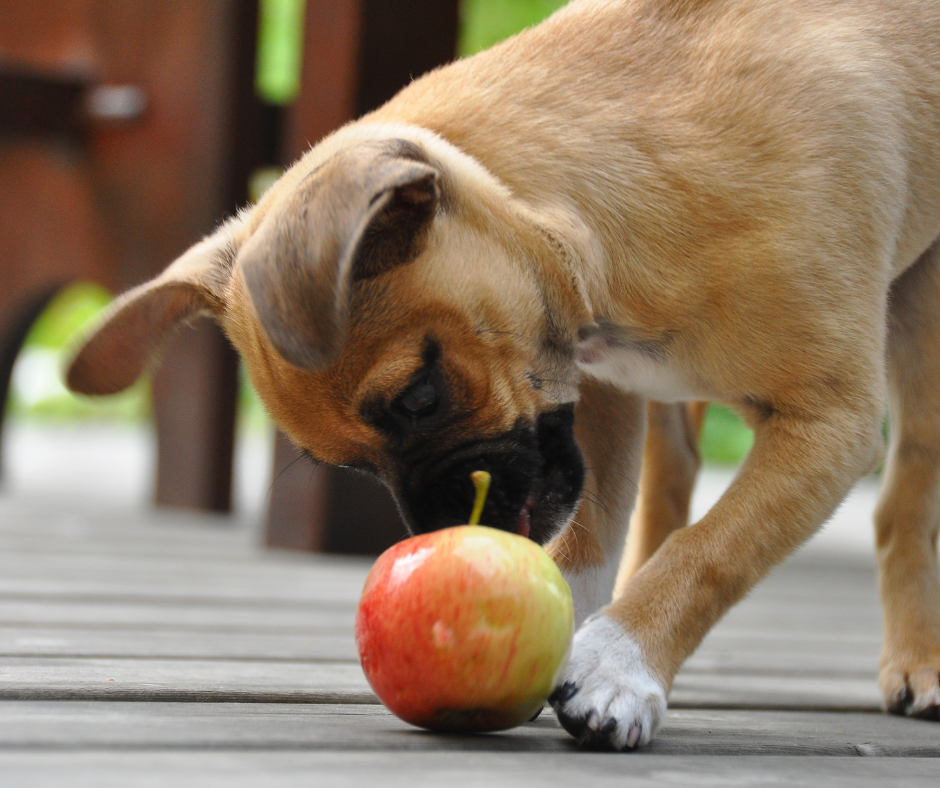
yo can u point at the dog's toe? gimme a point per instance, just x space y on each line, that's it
537 714
925 688
914 693
563 693
608 699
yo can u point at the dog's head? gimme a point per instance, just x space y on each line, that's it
397 313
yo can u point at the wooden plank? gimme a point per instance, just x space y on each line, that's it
743 733
48 513
277 594
170 643
339 768
782 648
252 636
49 725
36 678
769 690
146 577
834 662
765 651
281 680
180 617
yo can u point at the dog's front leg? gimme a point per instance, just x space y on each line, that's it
609 427
624 657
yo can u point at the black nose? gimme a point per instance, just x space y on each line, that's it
445 493
537 473
510 485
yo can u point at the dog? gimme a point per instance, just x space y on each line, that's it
636 201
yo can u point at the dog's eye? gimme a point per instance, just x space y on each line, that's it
419 400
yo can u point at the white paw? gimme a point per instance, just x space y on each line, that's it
607 698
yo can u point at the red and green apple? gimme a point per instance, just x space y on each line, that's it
465 628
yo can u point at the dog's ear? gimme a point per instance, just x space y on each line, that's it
128 335
362 213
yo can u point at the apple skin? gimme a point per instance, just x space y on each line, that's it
464 629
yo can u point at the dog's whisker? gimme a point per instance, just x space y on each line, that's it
303 454
620 474
593 499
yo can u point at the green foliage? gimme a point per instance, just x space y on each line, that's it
37 390
251 412
280 37
484 22
725 439
280 48
69 310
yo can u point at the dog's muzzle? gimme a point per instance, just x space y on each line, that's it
537 476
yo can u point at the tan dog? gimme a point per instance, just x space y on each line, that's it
643 199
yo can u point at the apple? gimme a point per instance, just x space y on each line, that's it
464 629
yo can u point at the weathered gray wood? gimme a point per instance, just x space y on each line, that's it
357 728
139 649
183 680
769 690
393 769
182 599
184 616
800 658
144 642
273 679
100 577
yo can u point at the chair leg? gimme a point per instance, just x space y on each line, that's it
326 509
14 327
358 54
194 399
296 501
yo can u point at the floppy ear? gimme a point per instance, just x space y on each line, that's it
363 212
118 349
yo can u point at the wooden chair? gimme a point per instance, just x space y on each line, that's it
357 55
127 131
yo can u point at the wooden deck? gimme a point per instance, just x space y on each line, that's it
157 649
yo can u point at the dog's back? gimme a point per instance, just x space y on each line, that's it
738 108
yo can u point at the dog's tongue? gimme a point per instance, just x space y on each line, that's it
524 521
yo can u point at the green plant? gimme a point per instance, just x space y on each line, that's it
280 47
485 22
725 439
37 391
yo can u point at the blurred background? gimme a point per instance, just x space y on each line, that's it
106 448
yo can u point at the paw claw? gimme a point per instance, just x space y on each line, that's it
563 693
927 713
609 727
634 736
593 721
609 699
900 703
912 693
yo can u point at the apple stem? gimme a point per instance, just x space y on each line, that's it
481 480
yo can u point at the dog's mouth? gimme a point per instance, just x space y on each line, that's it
537 474
524 520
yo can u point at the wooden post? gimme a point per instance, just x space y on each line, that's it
96 194
194 402
196 388
357 55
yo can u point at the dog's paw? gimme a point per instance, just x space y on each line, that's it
912 689
607 698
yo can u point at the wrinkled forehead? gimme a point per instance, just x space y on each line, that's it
390 341
464 298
